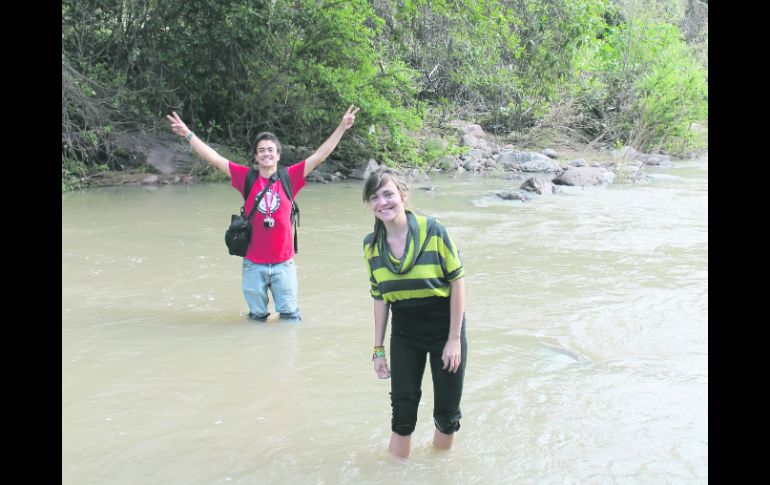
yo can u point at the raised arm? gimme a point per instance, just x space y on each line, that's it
328 146
204 151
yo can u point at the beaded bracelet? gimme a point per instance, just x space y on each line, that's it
379 351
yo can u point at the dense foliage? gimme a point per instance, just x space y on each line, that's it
642 85
232 68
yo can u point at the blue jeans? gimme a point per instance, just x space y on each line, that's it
281 278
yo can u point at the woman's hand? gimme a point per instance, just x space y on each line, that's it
452 355
381 367
177 125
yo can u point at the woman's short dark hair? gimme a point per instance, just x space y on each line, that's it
380 177
373 183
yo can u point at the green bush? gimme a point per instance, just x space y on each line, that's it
232 68
644 86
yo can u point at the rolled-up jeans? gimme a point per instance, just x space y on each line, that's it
281 279
420 329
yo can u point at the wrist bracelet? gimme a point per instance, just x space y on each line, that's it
379 351
189 137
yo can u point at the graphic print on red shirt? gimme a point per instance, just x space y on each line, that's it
274 244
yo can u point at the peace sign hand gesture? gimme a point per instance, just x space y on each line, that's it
350 117
177 125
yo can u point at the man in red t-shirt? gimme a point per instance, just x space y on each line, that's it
269 261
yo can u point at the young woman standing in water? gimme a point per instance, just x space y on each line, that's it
417 275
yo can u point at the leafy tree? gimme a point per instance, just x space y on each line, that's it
236 67
645 87
613 71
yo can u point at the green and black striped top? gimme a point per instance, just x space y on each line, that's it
429 263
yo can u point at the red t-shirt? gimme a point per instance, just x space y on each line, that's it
274 244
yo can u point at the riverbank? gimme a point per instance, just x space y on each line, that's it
162 160
189 176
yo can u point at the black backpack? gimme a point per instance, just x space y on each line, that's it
283 176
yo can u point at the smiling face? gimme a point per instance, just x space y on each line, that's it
267 154
387 202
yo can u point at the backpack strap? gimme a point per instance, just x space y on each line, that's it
251 177
283 175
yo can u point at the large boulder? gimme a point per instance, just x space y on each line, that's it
539 165
656 160
511 159
361 173
474 130
550 153
470 140
515 195
415 175
583 176
539 186
165 152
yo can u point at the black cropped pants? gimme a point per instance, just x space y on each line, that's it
420 330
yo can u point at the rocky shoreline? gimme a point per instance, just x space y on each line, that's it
168 161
